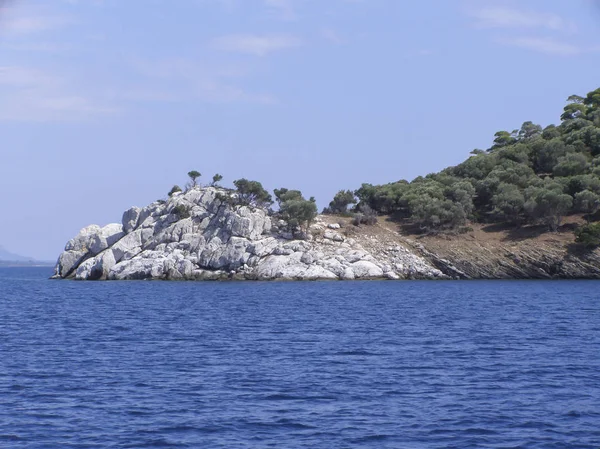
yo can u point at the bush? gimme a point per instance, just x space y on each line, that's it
174 189
365 215
252 193
588 235
216 179
225 199
341 201
181 211
299 212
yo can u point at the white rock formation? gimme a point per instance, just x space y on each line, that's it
220 241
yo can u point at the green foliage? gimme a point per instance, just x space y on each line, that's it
216 179
528 176
341 201
181 211
364 215
546 154
174 189
504 138
587 202
252 193
282 195
572 164
295 209
547 204
529 130
592 100
193 176
588 235
509 203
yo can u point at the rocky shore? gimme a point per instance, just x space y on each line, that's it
199 235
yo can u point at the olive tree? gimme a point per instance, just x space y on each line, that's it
252 193
193 176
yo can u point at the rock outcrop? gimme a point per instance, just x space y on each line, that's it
199 235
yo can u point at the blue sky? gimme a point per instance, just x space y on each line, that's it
105 104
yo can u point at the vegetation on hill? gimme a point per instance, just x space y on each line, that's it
531 175
528 176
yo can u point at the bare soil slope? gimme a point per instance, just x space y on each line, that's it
488 251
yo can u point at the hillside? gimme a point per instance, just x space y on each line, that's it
527 207
529 176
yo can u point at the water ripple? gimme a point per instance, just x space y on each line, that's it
302 365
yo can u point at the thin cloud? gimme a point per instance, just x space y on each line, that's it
544 45
257 45
33 95
184 80
282 9
38 47
33 24
499 17
332 36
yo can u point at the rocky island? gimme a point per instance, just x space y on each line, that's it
527 207
219 240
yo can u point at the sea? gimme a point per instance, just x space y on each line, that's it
380 364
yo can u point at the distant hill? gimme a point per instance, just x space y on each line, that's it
8 258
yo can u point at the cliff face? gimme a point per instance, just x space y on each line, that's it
220 241
513 254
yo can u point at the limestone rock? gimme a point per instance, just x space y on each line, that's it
366 269
130 219
221 241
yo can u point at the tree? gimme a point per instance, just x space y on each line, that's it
298 212
174 190
587 202
282 195
193 176
575 99
509 203
573 111
341 201
252 193
550 132
588 235
592 100
216 179
504 138
571 165
545 157
529 130
547 204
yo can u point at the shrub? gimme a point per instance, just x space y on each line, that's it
216 179
174 189
587 202
226 199
181 211
252 193
299 212
588 235
282 195
341 201
365 215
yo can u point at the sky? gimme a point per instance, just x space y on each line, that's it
106 104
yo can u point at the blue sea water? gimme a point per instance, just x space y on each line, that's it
298 365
